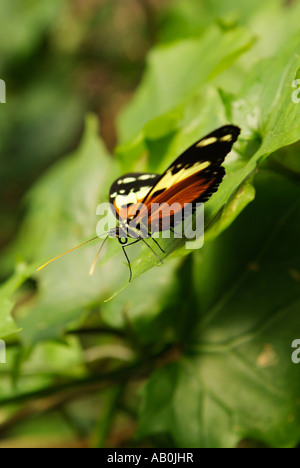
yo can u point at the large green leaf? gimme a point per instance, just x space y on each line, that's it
226 315
189 18
269 121
7 324
130 309
64 204
64 201
265 105
236 378
62 214
176 71
232 197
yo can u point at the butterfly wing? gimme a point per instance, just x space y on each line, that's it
192 178
127 193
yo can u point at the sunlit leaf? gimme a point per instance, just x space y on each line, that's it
237 369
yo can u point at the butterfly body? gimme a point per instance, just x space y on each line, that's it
125 231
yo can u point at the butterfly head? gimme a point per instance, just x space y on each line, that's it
120 233
124 231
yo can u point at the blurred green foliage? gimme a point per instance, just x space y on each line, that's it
197 352
60 59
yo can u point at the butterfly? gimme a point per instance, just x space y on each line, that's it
141 201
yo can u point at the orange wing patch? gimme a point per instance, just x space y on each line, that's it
169 202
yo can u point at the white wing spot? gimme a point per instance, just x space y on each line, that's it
146 176
123 200
127 180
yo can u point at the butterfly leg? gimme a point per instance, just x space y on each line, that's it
129 264
127 258
163 251
160 248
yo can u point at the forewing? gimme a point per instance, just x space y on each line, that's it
193 177
127 192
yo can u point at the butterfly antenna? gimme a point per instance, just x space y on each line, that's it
92 270
65 253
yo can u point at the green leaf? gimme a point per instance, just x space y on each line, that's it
175 402
236 379
265 106
64 201
7 324
287 159
176 71
269 121
62 214
20 36
187 19
130 309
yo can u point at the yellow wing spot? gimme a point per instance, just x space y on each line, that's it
207 142
168 180
198 167
227 138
